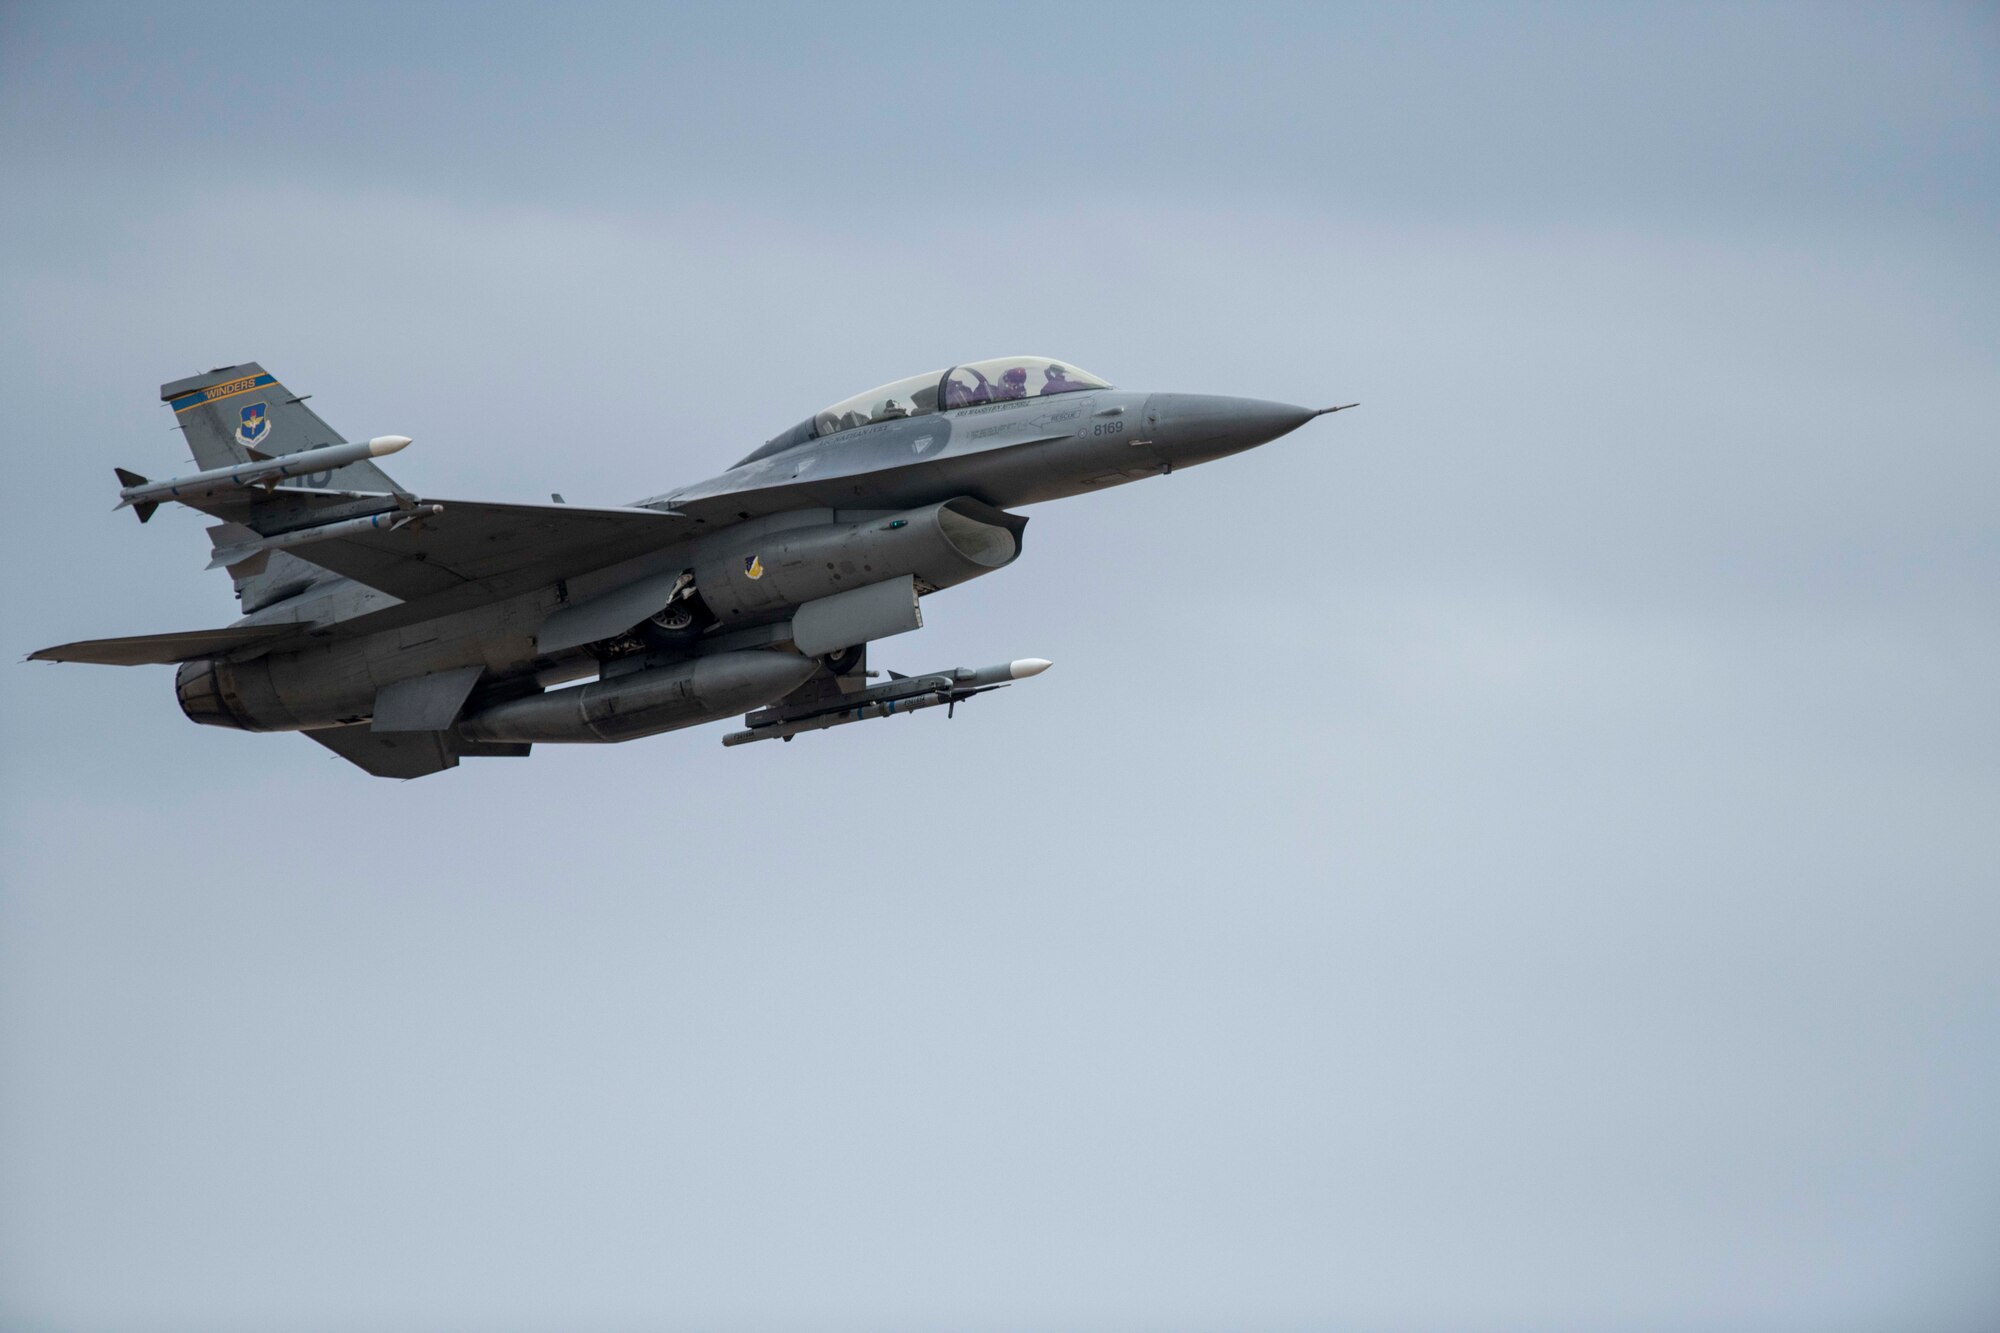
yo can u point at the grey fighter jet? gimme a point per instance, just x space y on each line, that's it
405 632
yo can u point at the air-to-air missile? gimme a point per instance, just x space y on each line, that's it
900 694
262 470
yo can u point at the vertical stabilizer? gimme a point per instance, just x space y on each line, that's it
229 412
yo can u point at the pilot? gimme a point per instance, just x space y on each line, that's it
958 393
891 410
1013 384
1056 380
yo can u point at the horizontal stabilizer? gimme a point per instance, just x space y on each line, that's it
163 649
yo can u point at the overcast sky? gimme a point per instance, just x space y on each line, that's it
1522 854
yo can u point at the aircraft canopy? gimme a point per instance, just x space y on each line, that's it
997 380
1001 379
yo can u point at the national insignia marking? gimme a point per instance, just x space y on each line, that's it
753 568
254 426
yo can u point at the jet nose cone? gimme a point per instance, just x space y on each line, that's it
1206 426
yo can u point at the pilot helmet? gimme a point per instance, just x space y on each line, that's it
1018 375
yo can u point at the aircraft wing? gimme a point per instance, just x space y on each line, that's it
514 545
486 550
507 547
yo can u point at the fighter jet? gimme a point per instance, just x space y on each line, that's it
405 632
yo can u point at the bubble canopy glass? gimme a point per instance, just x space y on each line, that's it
998 380
1001 379
913 397
1006 378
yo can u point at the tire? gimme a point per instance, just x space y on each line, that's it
846 660
672 626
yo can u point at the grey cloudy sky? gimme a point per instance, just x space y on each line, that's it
1519 854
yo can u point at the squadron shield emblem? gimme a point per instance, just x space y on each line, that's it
753 568
254 427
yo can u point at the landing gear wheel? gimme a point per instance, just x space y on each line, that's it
674 619
670 626
844 662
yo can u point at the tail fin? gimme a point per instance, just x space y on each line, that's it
235 412
144 508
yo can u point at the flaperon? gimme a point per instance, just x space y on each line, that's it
406 632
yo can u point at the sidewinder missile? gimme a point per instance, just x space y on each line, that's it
262 470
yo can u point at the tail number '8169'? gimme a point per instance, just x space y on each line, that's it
1108 428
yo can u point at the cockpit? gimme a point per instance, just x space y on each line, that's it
1002 379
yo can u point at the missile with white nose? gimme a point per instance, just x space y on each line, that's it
903 694
262 470
1019 669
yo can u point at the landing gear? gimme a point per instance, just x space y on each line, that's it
682 619
671 627
847 661
674 619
